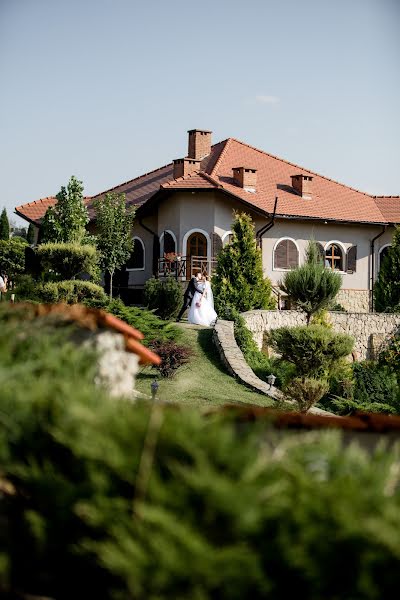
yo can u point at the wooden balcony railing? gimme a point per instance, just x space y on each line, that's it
184 268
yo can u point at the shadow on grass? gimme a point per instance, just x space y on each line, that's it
204 339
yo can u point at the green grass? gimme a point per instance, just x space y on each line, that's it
204 381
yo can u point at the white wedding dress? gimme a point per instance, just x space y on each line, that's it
205 313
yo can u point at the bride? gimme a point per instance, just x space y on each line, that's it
202 308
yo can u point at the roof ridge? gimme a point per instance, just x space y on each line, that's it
222 154
130 180
303 168
386 196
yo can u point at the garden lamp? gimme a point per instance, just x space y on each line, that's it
271 380
154 388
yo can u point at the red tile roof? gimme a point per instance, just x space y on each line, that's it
389 207
330 200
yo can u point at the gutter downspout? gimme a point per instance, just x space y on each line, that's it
373 264
268 226
156 246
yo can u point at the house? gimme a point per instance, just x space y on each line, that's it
184 216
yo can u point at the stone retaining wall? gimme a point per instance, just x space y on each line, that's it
354 300
370 330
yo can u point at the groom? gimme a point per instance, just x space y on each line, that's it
189 293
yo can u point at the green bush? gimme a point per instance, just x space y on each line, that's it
164 296
26 288
225 515
152 327
67 261
387 286
12 256
306 391
314 350
390 356
70 291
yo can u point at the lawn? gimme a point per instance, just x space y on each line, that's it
204 381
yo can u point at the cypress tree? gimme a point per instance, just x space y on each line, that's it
4 226
239 282
387 287
30 236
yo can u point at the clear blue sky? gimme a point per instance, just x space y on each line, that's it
106 89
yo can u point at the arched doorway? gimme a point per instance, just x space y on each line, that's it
196 253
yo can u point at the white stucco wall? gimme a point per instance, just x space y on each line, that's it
347 236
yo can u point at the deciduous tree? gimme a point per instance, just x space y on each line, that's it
114 232
66 221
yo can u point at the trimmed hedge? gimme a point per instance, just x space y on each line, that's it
70 291
67 261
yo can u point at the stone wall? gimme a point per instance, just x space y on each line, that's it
370 330
357 301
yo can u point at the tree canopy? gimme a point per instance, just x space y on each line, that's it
114 232
66 221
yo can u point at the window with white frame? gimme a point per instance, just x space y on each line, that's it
334 257
286 255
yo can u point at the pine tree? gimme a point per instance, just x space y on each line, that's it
114 232
4 226
312 286
387 288
66 221
30 236
239 282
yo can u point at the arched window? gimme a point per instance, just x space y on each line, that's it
137 258
334 257
321 251
286 255
383 252
352 259
167 243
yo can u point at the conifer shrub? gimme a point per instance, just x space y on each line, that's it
68 260
387 287
223 515
146 321
239 282
164 296
70 291
12 256
312 286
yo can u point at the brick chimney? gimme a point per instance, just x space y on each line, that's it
185 166
302 184
199 143
246 178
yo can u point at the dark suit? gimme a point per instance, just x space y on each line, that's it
191 289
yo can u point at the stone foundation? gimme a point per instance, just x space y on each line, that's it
356 301
370 331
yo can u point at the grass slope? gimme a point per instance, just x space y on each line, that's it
204 381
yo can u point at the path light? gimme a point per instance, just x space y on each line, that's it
154 388
271 380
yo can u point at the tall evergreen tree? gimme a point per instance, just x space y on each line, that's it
30 236
4 226
114 232
239 282
312 286
66 221
387 288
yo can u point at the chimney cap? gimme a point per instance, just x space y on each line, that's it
252 169
199 131
303 175
186 158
